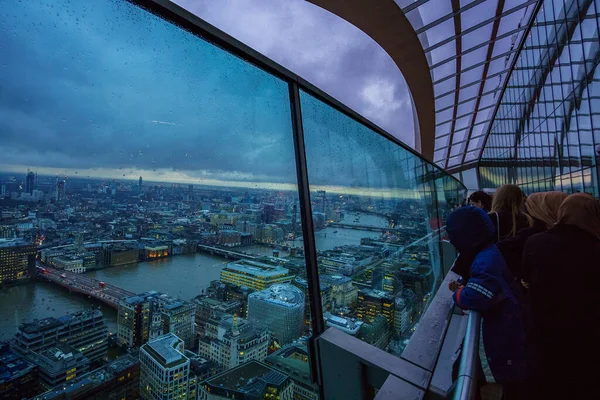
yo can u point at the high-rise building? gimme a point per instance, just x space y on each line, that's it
343 292
230 341
292 359
154 313
254 275
60 191
30 182
325 293
372 303
178 317
84 330
140 184
268 213
133 321
3 191
280 309
207 308
402 317
377 332
164 371
252 380
17 261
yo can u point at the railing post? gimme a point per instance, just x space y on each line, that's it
466 384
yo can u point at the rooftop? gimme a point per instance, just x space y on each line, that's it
164 350
8 243
250 378
334 279
256 268
284 295
378 294
51 322
12 366
91 380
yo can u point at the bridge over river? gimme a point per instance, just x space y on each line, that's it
79 283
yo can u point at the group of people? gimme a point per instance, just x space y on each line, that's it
531 266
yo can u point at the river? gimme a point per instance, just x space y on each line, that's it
184 276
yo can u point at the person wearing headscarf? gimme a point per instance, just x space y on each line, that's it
487 290
564 300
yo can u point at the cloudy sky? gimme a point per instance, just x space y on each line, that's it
103 89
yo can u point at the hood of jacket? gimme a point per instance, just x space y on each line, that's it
470 229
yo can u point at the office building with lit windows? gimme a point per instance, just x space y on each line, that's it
254 275
164 369
59 364
86 331
280 309
118 380
150 314
133 321
17 261
372 303
230 341
343 291
292 359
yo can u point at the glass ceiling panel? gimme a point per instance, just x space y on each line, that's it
474 57
478 36
478 40
478 14
441 32
433 10
443 53
444 87
444 70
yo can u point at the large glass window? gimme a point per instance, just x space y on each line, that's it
149 201
375 211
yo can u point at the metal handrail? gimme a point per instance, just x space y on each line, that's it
466 384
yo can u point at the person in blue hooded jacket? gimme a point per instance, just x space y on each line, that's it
487 290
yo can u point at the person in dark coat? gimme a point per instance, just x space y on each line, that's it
506 214
507 218
543 208
471 231
565 304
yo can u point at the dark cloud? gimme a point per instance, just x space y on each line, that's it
322 48
104 85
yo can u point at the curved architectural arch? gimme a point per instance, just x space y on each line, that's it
387 25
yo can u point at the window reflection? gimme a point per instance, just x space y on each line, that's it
376 226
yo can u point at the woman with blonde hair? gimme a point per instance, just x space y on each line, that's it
506 214
543 208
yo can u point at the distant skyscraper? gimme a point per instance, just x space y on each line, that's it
60 191
140 184
280 309
191 192
30 182
165 370
3 191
